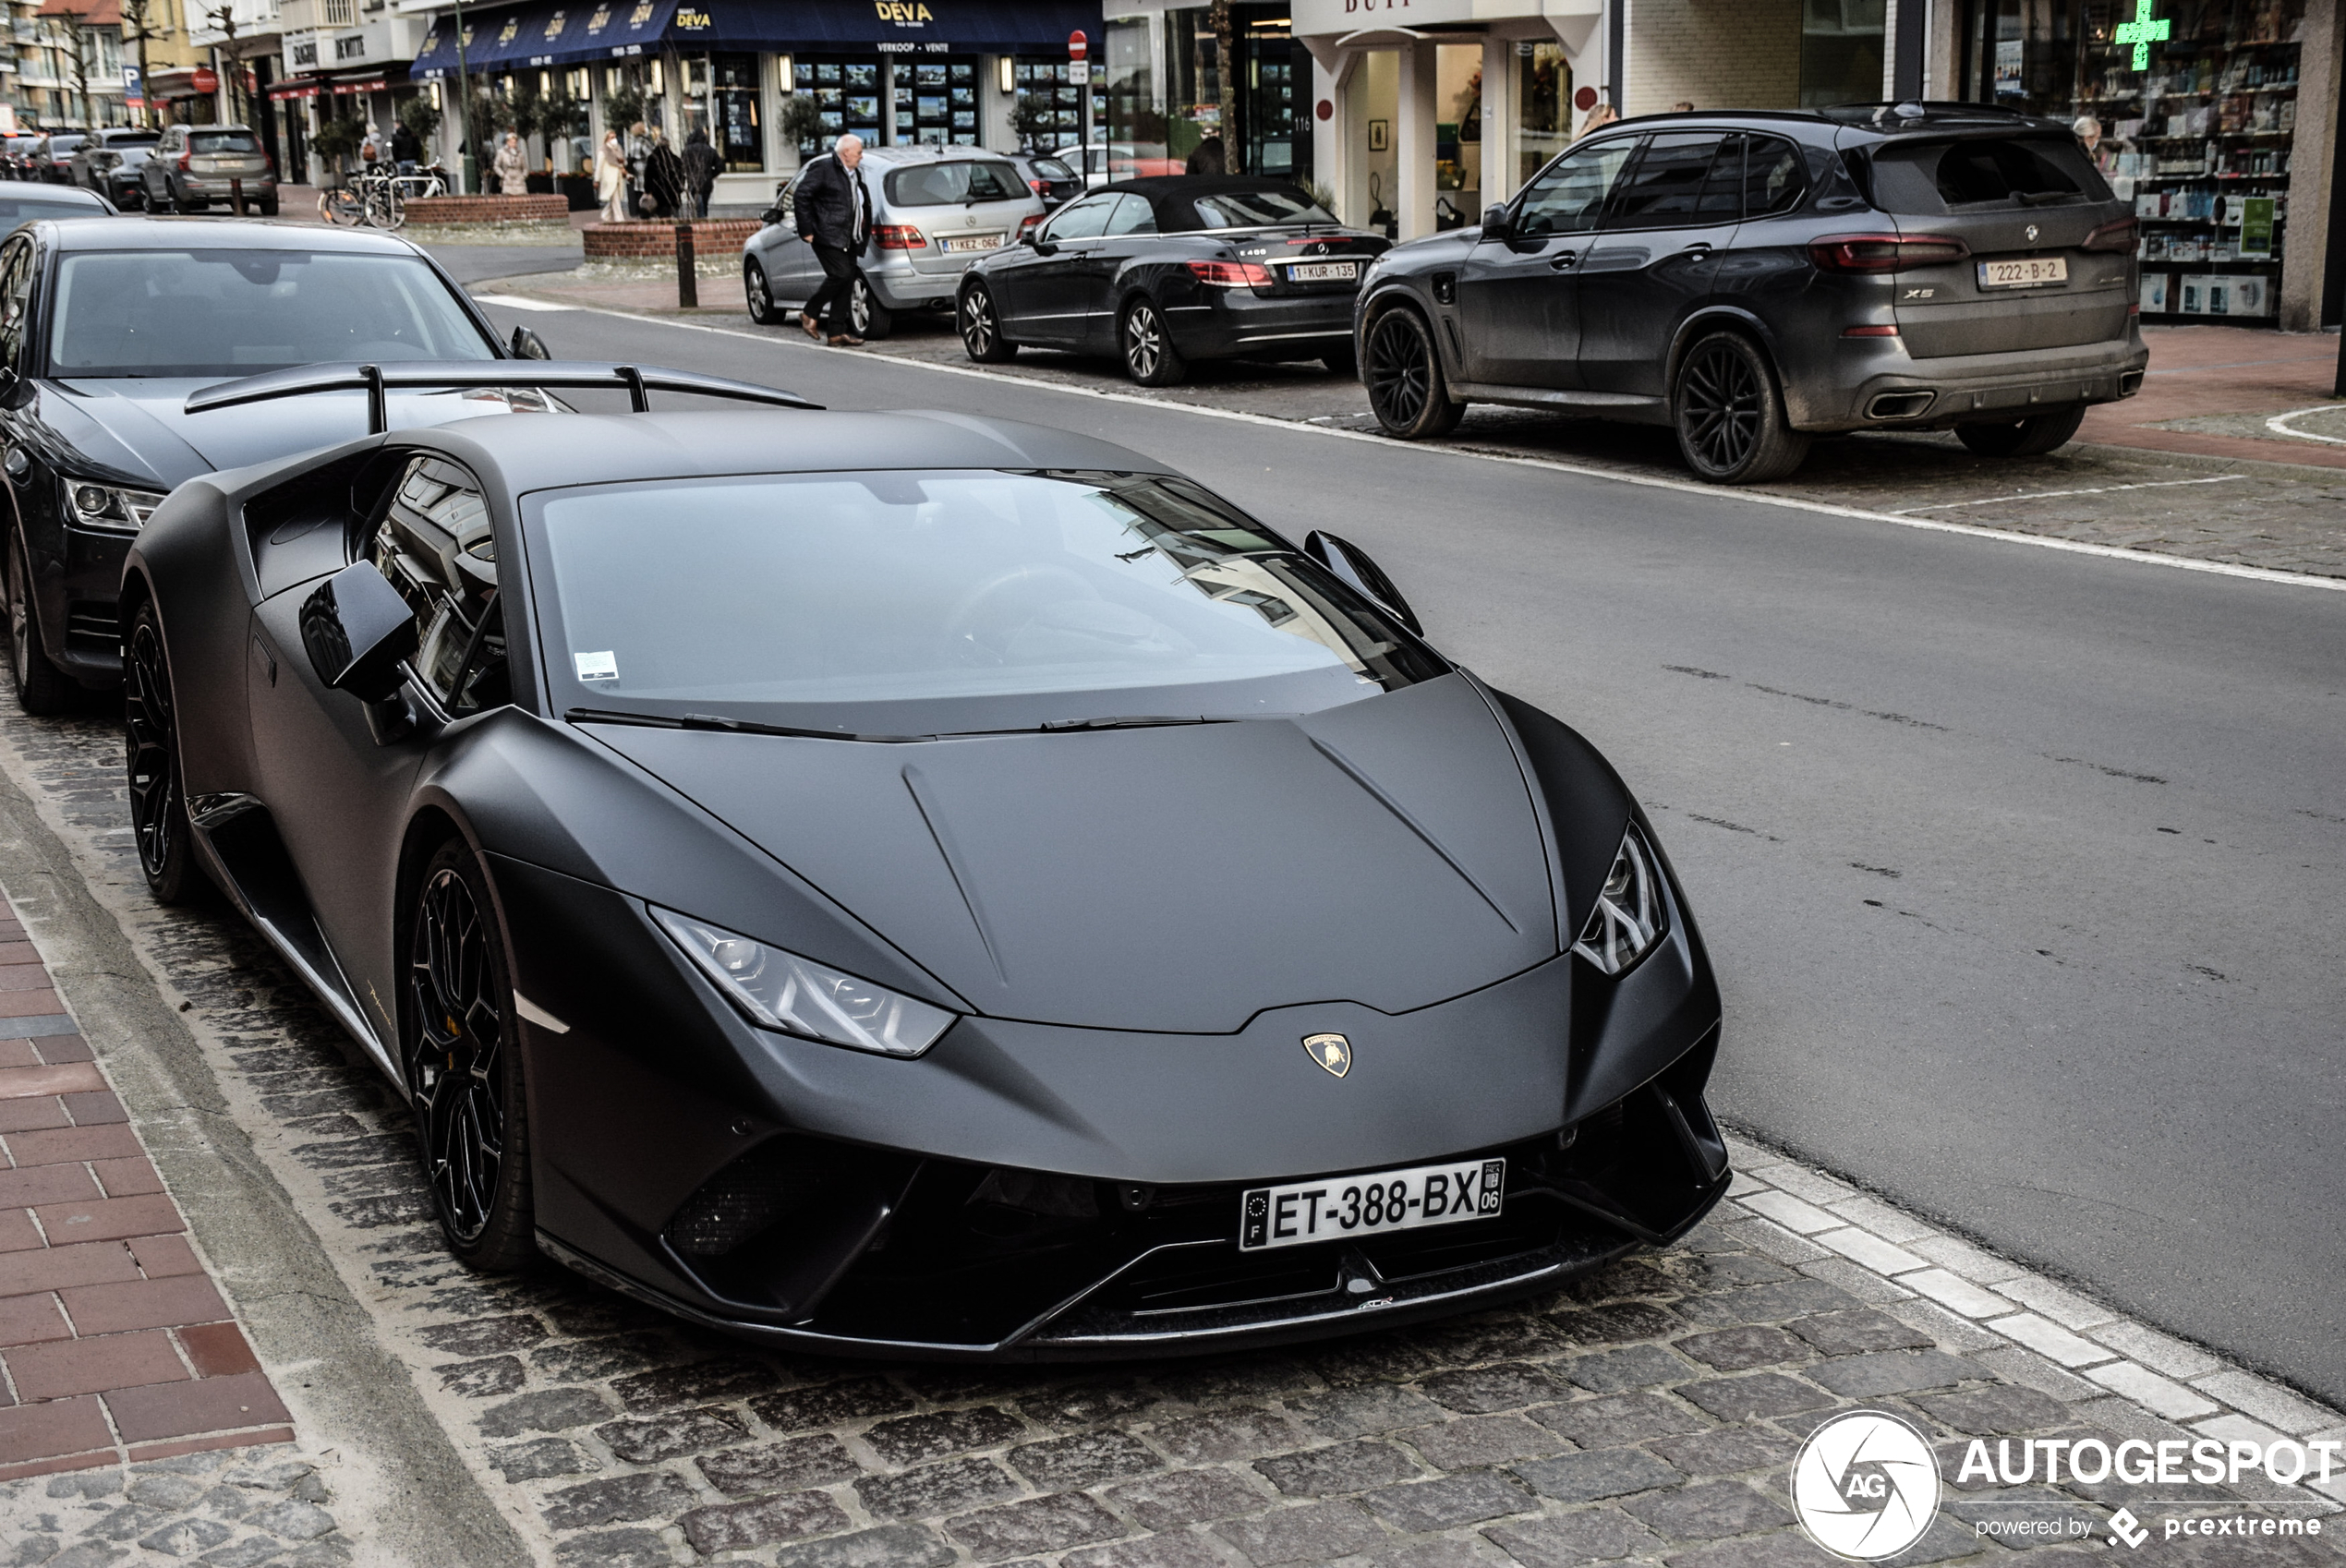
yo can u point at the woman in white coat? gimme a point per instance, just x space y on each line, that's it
611 178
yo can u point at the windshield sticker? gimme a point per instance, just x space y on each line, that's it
597 666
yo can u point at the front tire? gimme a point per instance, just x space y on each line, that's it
982 337
41 687
1150 358
1729 415
461 1051
2032 437
759 293
150 752
1408 392
870 319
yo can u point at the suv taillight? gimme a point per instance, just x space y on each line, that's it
2118 234
898 237
1231 274
182 161
1884 253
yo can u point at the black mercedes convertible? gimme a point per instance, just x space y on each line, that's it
913 884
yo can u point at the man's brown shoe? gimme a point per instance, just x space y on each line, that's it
847 340
814 327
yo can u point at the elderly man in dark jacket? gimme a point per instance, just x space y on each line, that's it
834 210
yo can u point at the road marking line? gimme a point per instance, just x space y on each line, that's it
2048 495
519 302
1715 492
2278 424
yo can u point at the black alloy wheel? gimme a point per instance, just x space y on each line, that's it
867 317
1150 358
41 687
1408 392
982 328
464 1068
1730 417
150 753
2032 437
758 293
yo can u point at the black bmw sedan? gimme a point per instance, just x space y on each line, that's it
107 324
1163 271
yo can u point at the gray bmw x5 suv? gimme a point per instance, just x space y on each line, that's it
1755 279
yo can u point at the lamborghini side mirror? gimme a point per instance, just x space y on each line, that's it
1350 565
358 628
527 344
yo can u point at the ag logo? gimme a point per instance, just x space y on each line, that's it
1331 1051
1865 1486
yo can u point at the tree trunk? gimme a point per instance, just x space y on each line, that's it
1225 50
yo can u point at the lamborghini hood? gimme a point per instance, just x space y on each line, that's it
141 428
1178 879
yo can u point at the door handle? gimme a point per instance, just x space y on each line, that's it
1700 248
1567 259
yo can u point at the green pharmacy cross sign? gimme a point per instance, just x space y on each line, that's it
2141 32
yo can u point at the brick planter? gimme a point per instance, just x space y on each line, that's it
655 239
441 212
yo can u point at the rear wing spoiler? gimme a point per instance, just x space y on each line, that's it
376 381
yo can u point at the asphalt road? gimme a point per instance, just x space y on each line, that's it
2020 868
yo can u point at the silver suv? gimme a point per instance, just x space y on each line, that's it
1755 279
935 210
194 166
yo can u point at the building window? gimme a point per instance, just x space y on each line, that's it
1841 46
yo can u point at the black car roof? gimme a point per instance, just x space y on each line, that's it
1880 119
216 233
531 451
1159 187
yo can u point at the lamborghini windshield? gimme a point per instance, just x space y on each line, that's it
926 603
239 313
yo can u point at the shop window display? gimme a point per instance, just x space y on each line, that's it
2190 109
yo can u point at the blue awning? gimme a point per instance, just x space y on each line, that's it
859 27
583 31
522 37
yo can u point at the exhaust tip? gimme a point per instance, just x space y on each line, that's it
2129 382
1900 405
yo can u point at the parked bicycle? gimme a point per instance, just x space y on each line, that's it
380 200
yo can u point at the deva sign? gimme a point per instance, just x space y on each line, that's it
903 13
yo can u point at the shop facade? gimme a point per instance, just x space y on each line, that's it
2217 118
936 72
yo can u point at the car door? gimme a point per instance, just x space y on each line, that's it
789 261
155 174
1656 256
1518 296
335 777
1040 297
1131 232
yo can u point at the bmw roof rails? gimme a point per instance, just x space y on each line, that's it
377 380
1914 114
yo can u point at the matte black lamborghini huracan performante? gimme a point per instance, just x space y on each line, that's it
1000 902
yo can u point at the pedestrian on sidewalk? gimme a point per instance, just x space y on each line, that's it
611 178
835 217
512 166
701 164
664 178
639 146
407 149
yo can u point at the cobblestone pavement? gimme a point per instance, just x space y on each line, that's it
2274 513
1646 1413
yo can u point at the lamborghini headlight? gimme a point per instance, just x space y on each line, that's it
783 991
1630 917
104 506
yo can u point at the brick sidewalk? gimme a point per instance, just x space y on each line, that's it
115 1344
2199 372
